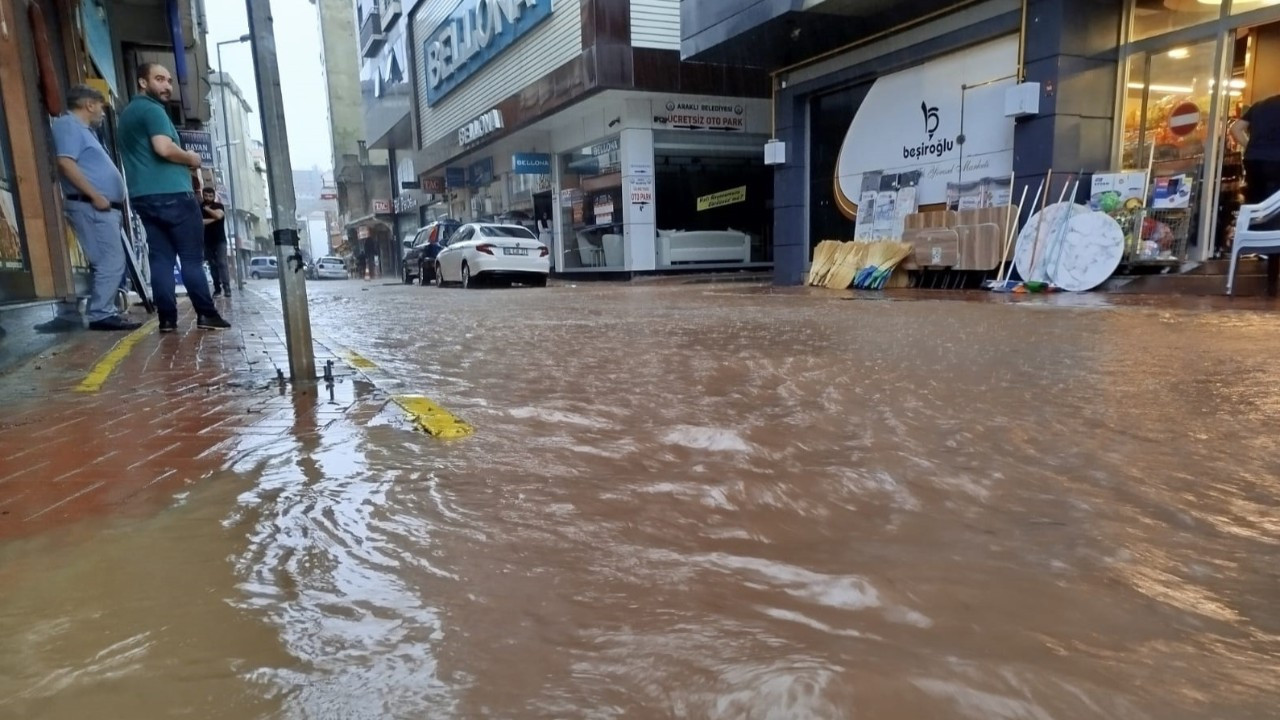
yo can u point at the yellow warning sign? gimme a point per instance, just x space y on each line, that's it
720 199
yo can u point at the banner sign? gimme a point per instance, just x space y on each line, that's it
200 142
720 199
531 164
455 177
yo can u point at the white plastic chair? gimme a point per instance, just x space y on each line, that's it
1264 242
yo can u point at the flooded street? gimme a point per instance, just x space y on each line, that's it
707 501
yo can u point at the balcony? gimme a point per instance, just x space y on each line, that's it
390 12
371 35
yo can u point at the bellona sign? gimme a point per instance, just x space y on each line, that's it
476 32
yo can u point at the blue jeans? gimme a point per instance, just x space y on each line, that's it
99 236
175 233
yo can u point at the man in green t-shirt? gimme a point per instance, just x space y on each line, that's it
158 174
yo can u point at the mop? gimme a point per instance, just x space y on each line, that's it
1001 283
1005 282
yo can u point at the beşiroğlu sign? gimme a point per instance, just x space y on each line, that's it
476 32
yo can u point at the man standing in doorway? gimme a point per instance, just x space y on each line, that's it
94 192
1258 131
159 178
215 242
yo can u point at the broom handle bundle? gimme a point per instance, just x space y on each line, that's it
1011 231
1035 249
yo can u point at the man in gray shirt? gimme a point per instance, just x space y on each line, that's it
94 191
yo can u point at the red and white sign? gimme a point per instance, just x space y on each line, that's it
382 207
1184 119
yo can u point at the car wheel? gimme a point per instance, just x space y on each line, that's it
538 282
439 276
255 276
467 282
404 275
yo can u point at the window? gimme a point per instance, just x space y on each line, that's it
1244 6
591 206
1157 17
503 231
1158 84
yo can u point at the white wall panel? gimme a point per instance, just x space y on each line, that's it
655 24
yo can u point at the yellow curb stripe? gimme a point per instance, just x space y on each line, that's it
359 361
97 377
433 419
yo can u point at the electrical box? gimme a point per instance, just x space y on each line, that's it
775 152
1022 100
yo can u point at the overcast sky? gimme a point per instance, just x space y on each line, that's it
301 73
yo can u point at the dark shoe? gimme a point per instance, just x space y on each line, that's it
212 322
168 326
58 325
115 322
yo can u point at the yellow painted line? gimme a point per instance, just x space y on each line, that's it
433 419
97 377
359 361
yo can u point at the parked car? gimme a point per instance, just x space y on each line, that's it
482 252
331 268
420 257
263 267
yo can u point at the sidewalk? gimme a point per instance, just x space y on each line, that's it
174 410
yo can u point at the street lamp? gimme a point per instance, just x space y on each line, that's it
231 170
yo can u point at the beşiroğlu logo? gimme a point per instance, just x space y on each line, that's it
932 120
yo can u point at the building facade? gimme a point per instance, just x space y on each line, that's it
960 94
45 47
386 92
241 165
579 119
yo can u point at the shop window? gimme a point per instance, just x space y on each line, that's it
1157 17
591 206
1159 84
713 207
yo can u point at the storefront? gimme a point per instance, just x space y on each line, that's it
644 171
927 115
1189 71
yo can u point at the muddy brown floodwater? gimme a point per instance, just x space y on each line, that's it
708 502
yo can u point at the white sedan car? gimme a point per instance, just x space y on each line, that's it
331 268
481 252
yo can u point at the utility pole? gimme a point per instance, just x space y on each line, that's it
275 141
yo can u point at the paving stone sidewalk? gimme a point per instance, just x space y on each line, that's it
176 410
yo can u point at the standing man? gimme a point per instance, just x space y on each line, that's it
1258 131
159 178
215 241
94 192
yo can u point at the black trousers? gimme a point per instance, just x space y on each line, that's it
1262 180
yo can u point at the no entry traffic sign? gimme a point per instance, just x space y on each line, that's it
1184 119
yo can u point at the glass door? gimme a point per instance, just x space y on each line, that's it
1171 127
